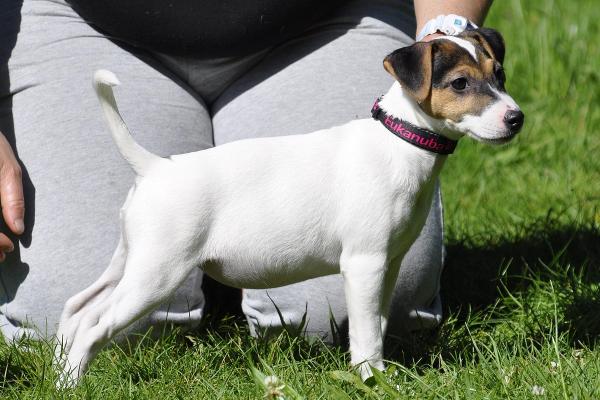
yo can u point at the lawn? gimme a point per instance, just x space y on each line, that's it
521 285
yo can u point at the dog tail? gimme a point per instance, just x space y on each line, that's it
139 158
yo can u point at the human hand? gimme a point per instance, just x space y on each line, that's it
431 37
11 196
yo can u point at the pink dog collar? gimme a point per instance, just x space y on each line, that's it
422 138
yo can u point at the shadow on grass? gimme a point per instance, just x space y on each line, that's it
473 273
14 369
480 271
26 364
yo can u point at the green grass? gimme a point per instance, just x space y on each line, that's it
521 284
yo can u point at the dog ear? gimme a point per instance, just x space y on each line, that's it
490 39
412 67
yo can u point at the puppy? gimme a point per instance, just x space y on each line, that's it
268 212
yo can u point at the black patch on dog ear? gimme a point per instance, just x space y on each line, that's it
491 40
411 66
495 41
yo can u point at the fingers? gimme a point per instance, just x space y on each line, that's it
11 189
6 246
11 197
432 36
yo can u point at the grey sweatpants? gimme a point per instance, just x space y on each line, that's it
75 180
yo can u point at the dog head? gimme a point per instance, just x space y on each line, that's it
459 80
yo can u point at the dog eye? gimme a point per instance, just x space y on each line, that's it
459 84
500 75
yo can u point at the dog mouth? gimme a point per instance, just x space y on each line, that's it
493 140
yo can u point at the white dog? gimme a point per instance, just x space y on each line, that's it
268 212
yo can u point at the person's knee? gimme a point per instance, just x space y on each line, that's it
314 308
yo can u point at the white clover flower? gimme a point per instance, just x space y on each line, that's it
537 390
507 375
273 388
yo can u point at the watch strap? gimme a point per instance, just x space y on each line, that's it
450 24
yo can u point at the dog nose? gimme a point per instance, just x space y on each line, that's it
514 120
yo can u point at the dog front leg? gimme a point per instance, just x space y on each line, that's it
363 285
389 286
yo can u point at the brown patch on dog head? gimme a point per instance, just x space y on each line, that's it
412 67
448 106
460 84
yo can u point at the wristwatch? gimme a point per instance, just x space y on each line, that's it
450 24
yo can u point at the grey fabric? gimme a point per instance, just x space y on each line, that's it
75 179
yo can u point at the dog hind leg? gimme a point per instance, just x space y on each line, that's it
78 305
97 291
142 288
